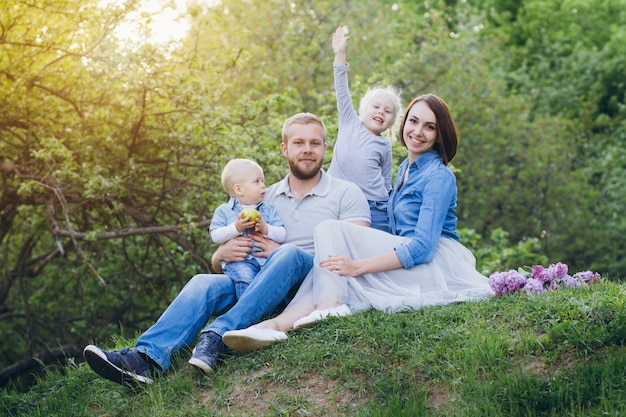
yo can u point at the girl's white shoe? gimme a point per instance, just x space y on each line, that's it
317 315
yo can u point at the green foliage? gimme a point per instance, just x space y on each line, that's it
497 254
608 173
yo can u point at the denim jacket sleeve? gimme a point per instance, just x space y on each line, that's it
429 203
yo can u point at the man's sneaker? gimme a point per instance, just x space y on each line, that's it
206 354
126 366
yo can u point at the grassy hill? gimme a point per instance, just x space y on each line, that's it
553 354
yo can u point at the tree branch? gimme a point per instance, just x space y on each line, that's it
33 362
130 231
60 95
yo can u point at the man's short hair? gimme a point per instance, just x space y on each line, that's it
302 118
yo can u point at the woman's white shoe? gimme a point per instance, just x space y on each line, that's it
317 315
252 338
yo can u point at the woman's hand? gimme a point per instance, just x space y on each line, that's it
342 265
346 267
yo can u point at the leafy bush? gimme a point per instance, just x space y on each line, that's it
497 254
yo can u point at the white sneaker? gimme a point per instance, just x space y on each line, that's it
252 338
317 315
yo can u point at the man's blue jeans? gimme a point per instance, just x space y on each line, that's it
209 295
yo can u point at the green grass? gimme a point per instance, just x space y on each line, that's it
553 354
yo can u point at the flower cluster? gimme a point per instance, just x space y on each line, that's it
539 279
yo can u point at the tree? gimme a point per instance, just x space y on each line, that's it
95 146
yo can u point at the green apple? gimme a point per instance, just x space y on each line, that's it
251 213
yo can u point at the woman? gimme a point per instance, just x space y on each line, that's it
421 263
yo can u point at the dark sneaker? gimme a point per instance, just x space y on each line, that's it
126 366
206 354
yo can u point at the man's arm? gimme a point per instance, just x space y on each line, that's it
235 250
354 207
366 224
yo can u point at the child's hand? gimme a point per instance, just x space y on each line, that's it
261 225
340 41
244 223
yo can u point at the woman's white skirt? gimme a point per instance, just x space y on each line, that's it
450 277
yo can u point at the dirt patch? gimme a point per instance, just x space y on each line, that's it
535 366
259 395
438 395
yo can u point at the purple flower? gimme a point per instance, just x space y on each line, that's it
558 270
570 281
533 285
504 282
497 283
587 276
515 281
541 274
541 279
552 285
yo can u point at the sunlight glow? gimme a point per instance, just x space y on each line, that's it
160 22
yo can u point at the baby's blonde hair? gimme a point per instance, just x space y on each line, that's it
235 171
396 96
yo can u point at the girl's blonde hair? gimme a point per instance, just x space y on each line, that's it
396 95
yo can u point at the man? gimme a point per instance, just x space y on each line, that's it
303 199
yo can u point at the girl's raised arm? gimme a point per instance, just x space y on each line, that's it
340 44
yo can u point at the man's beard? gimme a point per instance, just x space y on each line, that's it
301 174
